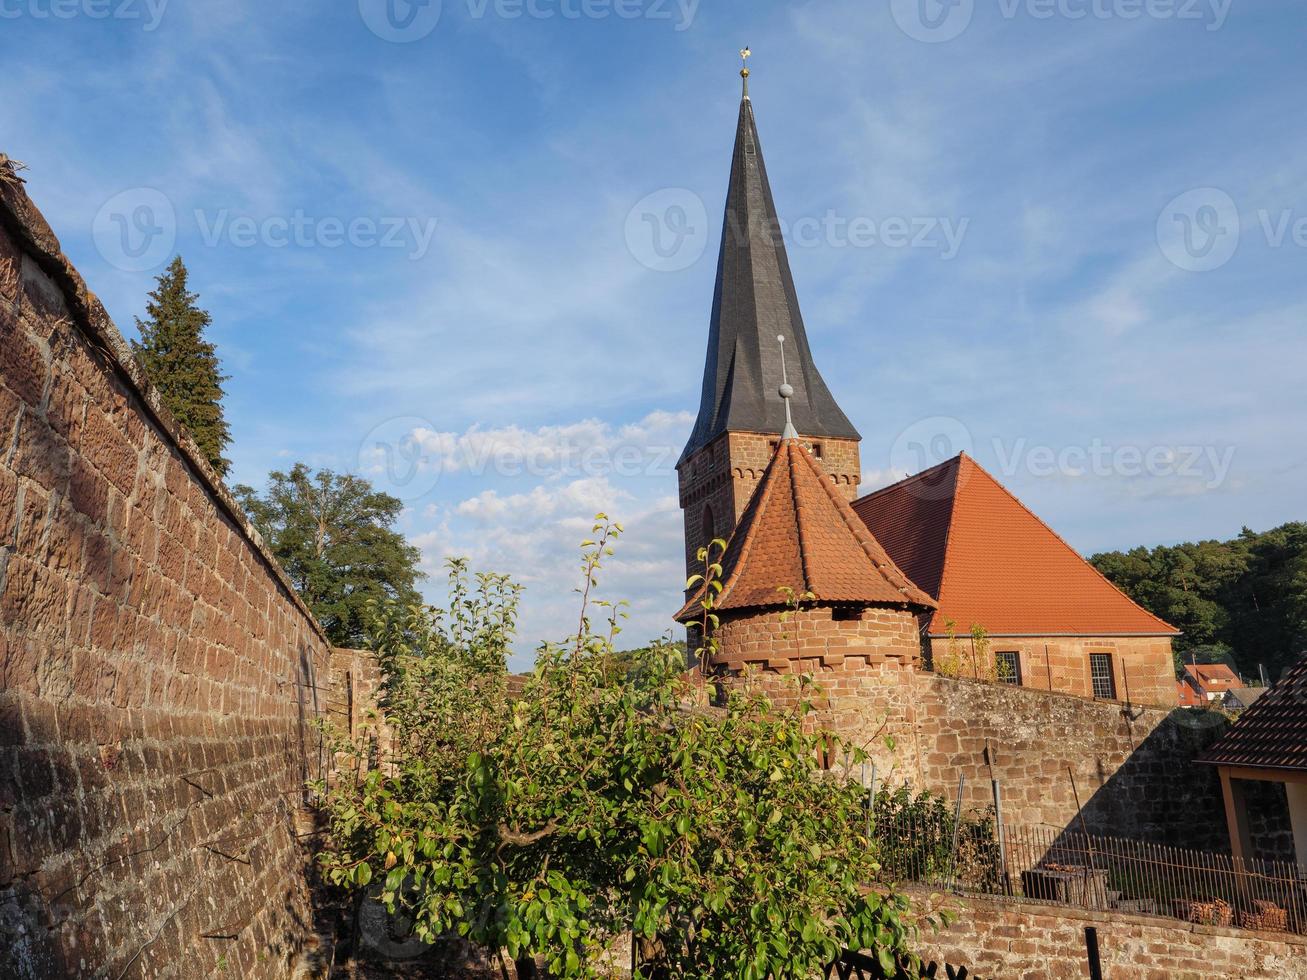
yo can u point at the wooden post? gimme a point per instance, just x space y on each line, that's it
1236 816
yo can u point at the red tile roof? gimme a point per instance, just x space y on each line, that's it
1272 733
1189 697
1213 677
798 532
989 561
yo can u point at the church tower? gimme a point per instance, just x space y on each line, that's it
741 413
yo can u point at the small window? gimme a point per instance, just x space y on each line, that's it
816 449
846 615
1009 667
826 753
1100 674
349 700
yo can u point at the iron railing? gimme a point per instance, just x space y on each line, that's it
972 856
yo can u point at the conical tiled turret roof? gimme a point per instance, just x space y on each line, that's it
753 303
799 533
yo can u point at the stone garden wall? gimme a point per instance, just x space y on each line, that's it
1036 942
160 679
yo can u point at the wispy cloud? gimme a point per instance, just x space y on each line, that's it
529 329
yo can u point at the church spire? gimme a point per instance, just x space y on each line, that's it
753 302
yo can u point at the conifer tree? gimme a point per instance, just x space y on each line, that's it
183 365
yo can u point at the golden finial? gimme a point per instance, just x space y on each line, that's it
745 55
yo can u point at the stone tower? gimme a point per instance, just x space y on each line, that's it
741 414
806 588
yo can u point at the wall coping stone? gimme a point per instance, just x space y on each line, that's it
1098 917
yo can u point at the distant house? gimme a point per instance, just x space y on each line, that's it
1239 698
1210 681
1190 696
1268 743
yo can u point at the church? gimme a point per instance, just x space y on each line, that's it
817 577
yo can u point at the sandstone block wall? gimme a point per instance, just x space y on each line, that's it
1132 766
813 640
352 701
159 677
1142 666
1036 942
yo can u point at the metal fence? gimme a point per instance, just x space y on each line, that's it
972 856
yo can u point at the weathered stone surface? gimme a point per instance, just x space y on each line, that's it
158 677
1130 767
993 939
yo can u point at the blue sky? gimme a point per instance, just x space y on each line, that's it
1068 235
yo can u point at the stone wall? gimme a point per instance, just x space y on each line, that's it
160 677
1132 767
816 639
1143 668
1037 942
352 701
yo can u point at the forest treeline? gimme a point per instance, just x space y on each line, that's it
1244 599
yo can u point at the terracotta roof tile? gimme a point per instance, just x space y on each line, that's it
1272 733
798 532
989 561
1213 677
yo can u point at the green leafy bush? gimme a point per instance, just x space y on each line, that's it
587 807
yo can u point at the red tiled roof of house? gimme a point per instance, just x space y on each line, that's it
799 533
989 561
1272 733
1213 677
1189 697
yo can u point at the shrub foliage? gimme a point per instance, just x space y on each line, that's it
550 822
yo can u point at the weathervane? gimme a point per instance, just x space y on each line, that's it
745 55
786 392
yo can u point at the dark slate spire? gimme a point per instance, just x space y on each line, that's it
755 302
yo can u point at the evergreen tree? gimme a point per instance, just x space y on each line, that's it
333 534
183 365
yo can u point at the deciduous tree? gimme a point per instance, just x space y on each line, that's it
589 806
334 536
